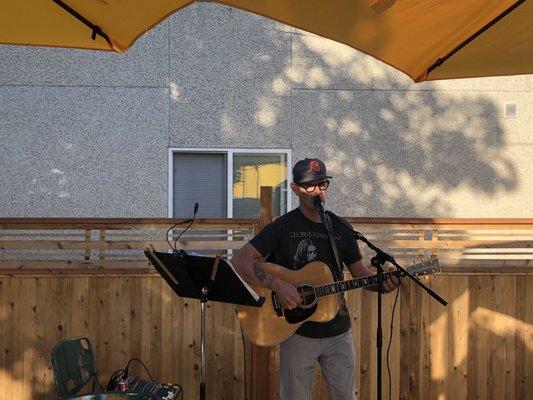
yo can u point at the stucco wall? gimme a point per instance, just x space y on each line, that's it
85 134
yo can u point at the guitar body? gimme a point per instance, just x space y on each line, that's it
265 326
270 324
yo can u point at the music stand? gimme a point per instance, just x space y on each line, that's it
203 278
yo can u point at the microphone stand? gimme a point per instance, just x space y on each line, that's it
204 297
378 261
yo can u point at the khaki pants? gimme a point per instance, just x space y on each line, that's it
335 355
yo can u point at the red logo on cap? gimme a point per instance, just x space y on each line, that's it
313 166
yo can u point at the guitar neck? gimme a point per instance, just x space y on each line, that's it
356 283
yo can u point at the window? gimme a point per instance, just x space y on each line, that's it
226 182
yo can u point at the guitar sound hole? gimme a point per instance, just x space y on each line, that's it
308 295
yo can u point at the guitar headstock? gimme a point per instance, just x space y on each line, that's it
427 267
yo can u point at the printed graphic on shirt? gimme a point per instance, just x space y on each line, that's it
315 235
305 253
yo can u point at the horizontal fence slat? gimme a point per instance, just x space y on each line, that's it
111 236
88 264
118 244
56 244
117 223
418 222
124 245
453 244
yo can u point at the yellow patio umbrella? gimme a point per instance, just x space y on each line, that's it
425 39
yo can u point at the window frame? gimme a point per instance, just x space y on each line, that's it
228 152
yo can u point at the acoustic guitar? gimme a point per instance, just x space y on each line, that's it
271 324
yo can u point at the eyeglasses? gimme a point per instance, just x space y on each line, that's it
310 187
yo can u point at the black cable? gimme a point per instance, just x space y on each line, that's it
168 231
244 358
390 340
126 370
94 381
112 382
190 221
181 233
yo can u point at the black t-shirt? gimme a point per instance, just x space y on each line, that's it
292 241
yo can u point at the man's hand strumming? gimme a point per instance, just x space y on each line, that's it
287 293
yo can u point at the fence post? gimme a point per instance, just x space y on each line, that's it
101 254
87 240
264 370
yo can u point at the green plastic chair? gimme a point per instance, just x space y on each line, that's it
73 365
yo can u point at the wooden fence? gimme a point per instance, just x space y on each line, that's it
61 278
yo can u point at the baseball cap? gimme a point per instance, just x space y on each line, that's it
309 170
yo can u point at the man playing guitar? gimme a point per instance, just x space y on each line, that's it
291 241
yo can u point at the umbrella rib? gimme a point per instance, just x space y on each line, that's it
441 60
96 30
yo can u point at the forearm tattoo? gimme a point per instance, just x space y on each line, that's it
263 277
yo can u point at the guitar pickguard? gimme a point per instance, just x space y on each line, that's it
299 314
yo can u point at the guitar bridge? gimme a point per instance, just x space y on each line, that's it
276 304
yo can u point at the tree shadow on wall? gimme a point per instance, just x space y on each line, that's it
395 148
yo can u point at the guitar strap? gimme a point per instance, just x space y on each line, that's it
329 229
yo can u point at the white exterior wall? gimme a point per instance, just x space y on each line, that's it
86 134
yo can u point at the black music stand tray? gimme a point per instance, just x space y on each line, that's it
203 278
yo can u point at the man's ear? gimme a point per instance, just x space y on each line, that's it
294 188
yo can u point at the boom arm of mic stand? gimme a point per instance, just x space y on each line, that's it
387 257
381 255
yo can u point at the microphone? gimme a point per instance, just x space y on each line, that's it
318 204
186 221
